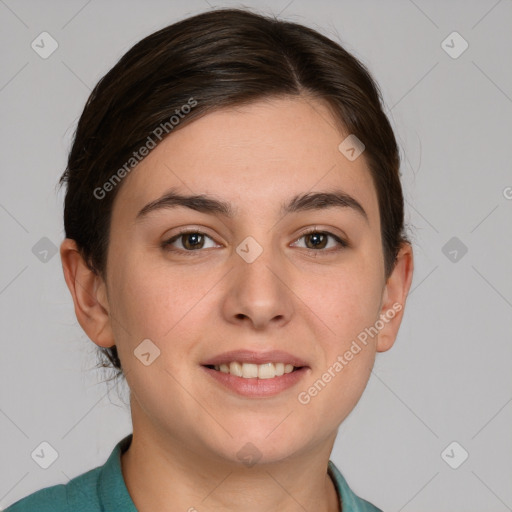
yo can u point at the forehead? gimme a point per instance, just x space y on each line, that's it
255 156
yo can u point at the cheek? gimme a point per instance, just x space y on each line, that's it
348 352
347 386
349 306
351 302
150 299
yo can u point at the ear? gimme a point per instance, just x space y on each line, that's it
394 297
89 294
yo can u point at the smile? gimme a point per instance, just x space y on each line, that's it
253 371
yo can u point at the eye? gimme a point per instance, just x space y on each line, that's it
189 240
316 240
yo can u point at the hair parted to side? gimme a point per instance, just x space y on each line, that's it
220 58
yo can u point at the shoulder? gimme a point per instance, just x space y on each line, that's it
98 490
79 494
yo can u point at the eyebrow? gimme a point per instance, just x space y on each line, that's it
210 205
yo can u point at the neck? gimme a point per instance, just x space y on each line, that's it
162 473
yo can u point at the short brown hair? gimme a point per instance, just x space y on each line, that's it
219 58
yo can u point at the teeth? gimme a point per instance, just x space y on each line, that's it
236 369
252 371
266 371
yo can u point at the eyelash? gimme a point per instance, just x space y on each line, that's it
167 243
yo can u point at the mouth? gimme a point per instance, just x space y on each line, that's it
254 371
255 374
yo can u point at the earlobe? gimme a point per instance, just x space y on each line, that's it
88 291
394 297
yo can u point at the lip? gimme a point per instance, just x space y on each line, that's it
249 356
256 388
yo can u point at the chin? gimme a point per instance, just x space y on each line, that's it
258 447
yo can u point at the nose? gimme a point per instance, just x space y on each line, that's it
258 292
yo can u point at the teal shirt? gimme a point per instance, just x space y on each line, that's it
103 490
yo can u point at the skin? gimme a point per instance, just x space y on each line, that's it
187 429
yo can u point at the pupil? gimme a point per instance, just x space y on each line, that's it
316 236
195 237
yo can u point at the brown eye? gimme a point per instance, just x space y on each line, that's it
187 241
192 240
318 240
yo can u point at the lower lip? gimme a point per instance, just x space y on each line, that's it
257 388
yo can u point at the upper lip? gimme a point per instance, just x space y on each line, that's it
249 356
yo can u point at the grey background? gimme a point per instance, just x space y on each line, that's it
448 376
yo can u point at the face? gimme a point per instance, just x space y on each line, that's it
248 278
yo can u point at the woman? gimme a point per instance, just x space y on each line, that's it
235 246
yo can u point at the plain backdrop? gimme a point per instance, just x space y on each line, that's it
446 380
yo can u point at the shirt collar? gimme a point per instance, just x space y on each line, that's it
112 489
351 502
114 495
